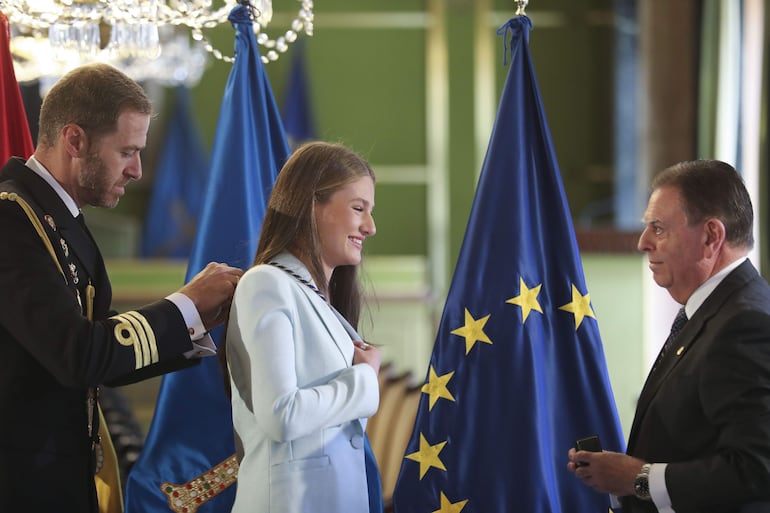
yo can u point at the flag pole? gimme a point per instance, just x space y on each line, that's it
521 5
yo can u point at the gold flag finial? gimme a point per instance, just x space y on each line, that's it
521 5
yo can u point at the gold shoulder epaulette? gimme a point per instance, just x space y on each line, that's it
12 196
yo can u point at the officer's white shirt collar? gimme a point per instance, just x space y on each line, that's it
41 171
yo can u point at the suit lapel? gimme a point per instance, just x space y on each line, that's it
322 308
688 338
328 319
82 244
336 325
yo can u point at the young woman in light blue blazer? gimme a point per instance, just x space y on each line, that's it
303 381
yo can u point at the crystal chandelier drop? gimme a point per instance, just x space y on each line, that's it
149 39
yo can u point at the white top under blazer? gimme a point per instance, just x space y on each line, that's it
299 404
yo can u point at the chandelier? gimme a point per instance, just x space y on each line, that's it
160 40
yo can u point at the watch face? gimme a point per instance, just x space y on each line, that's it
642 487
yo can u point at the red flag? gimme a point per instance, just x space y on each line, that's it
15 137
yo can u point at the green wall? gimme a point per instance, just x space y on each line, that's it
368 62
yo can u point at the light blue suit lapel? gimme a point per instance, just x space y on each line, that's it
324 310
325 313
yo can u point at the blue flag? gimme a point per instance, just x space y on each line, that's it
188 459
177 192
298 119
517 372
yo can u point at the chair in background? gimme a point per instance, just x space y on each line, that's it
390 429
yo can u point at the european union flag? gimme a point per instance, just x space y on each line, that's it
178 190
189 459
517 372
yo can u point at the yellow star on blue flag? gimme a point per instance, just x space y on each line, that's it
448 506
427 456
580 306
436 387
527 299
472 331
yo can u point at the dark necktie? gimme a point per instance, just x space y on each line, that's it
679 321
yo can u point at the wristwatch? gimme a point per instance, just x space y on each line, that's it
642 483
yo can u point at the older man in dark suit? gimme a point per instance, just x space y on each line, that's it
700 439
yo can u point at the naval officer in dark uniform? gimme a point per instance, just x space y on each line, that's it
59 337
